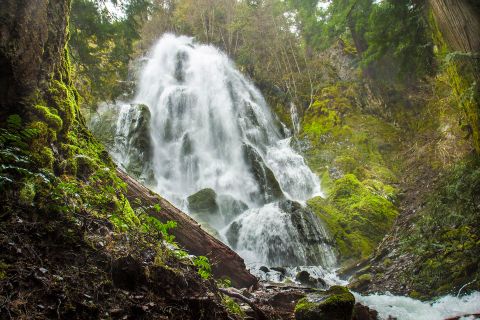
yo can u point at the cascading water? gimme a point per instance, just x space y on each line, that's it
198 131
211 134
295 118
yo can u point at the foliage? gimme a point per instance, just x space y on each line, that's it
18 162
152 224
102 46
446 235
391 37
203 265
232 306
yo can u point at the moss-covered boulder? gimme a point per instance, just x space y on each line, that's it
334 304
203 202
357 215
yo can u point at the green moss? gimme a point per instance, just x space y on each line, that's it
27 193
304 305
50 116
3 270
233 307
124 217
462 70
365 277
335 303
357 216
65 97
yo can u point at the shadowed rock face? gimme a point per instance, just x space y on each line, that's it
269 188
32 43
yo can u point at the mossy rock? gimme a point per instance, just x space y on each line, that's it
357 214
360 283
334 304
203 202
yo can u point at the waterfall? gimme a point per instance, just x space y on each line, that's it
217 151
295 118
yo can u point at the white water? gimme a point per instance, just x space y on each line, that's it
211 128
404 308
295 118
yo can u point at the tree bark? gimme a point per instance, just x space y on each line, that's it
459 22
33 34
189 234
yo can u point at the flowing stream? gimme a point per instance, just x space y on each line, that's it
201 134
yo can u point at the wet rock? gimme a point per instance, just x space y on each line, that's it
128 273
361 312
282 270
131 146
316 242
230 207
233 233
139 144
302 276
306 279
203 202
264 269
361 283
334 304
268 184
289 206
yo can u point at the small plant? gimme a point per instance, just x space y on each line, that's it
152 224
203 266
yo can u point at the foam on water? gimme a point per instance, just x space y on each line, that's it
405 308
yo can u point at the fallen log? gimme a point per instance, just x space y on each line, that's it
189 234
234 294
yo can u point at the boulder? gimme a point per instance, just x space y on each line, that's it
335 303
203 202
361 312
281 270
306 279
233 233
264 269
269 187
230 207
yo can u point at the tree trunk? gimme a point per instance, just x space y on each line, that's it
459 23
33 34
